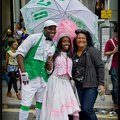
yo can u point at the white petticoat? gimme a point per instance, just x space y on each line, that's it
59 100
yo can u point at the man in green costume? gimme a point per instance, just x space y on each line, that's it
32 55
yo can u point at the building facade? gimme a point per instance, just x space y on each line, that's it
11 11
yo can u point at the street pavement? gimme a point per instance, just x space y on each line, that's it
13 102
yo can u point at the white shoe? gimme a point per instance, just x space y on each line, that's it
112 113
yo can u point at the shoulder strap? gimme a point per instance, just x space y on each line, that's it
113 42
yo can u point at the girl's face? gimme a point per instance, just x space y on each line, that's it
65 44
81 40
14 45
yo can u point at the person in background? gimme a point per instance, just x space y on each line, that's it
4 75
18 33
98 7
58 93
87 72
8 38
109 50
31 56
21 21
11 66
24 34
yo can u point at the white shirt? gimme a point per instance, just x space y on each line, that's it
19 33
43 49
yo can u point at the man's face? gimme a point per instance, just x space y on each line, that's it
116 34
9 34
50 31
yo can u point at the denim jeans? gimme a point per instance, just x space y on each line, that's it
114 79
87 97
11 68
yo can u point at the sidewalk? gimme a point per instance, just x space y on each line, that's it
15 103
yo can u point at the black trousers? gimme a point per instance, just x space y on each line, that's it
12 81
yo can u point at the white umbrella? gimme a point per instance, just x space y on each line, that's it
36 12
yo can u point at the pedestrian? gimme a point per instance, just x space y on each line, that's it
109 50
32 55
24 34
99 6
18 33
4 75
59 100
11 66
21 21
88 73
9 36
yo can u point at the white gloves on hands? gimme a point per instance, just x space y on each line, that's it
24 77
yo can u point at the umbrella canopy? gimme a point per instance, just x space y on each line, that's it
36 12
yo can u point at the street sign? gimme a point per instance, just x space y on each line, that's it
106 13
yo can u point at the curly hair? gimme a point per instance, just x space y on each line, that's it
88 38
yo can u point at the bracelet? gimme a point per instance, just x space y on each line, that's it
50 63
23 74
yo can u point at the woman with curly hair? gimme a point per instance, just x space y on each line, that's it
87 72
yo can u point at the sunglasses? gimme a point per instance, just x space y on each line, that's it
81 31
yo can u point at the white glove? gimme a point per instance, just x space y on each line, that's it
24 77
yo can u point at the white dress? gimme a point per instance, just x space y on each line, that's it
59 100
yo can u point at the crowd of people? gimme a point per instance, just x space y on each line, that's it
10 68
45 68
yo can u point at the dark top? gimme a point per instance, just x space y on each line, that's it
94 72
98 13
79 69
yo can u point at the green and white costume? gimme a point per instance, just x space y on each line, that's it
34 50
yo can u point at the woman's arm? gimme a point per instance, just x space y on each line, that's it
6 61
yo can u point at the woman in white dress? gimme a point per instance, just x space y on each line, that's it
59 101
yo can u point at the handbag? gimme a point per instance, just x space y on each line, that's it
109 58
